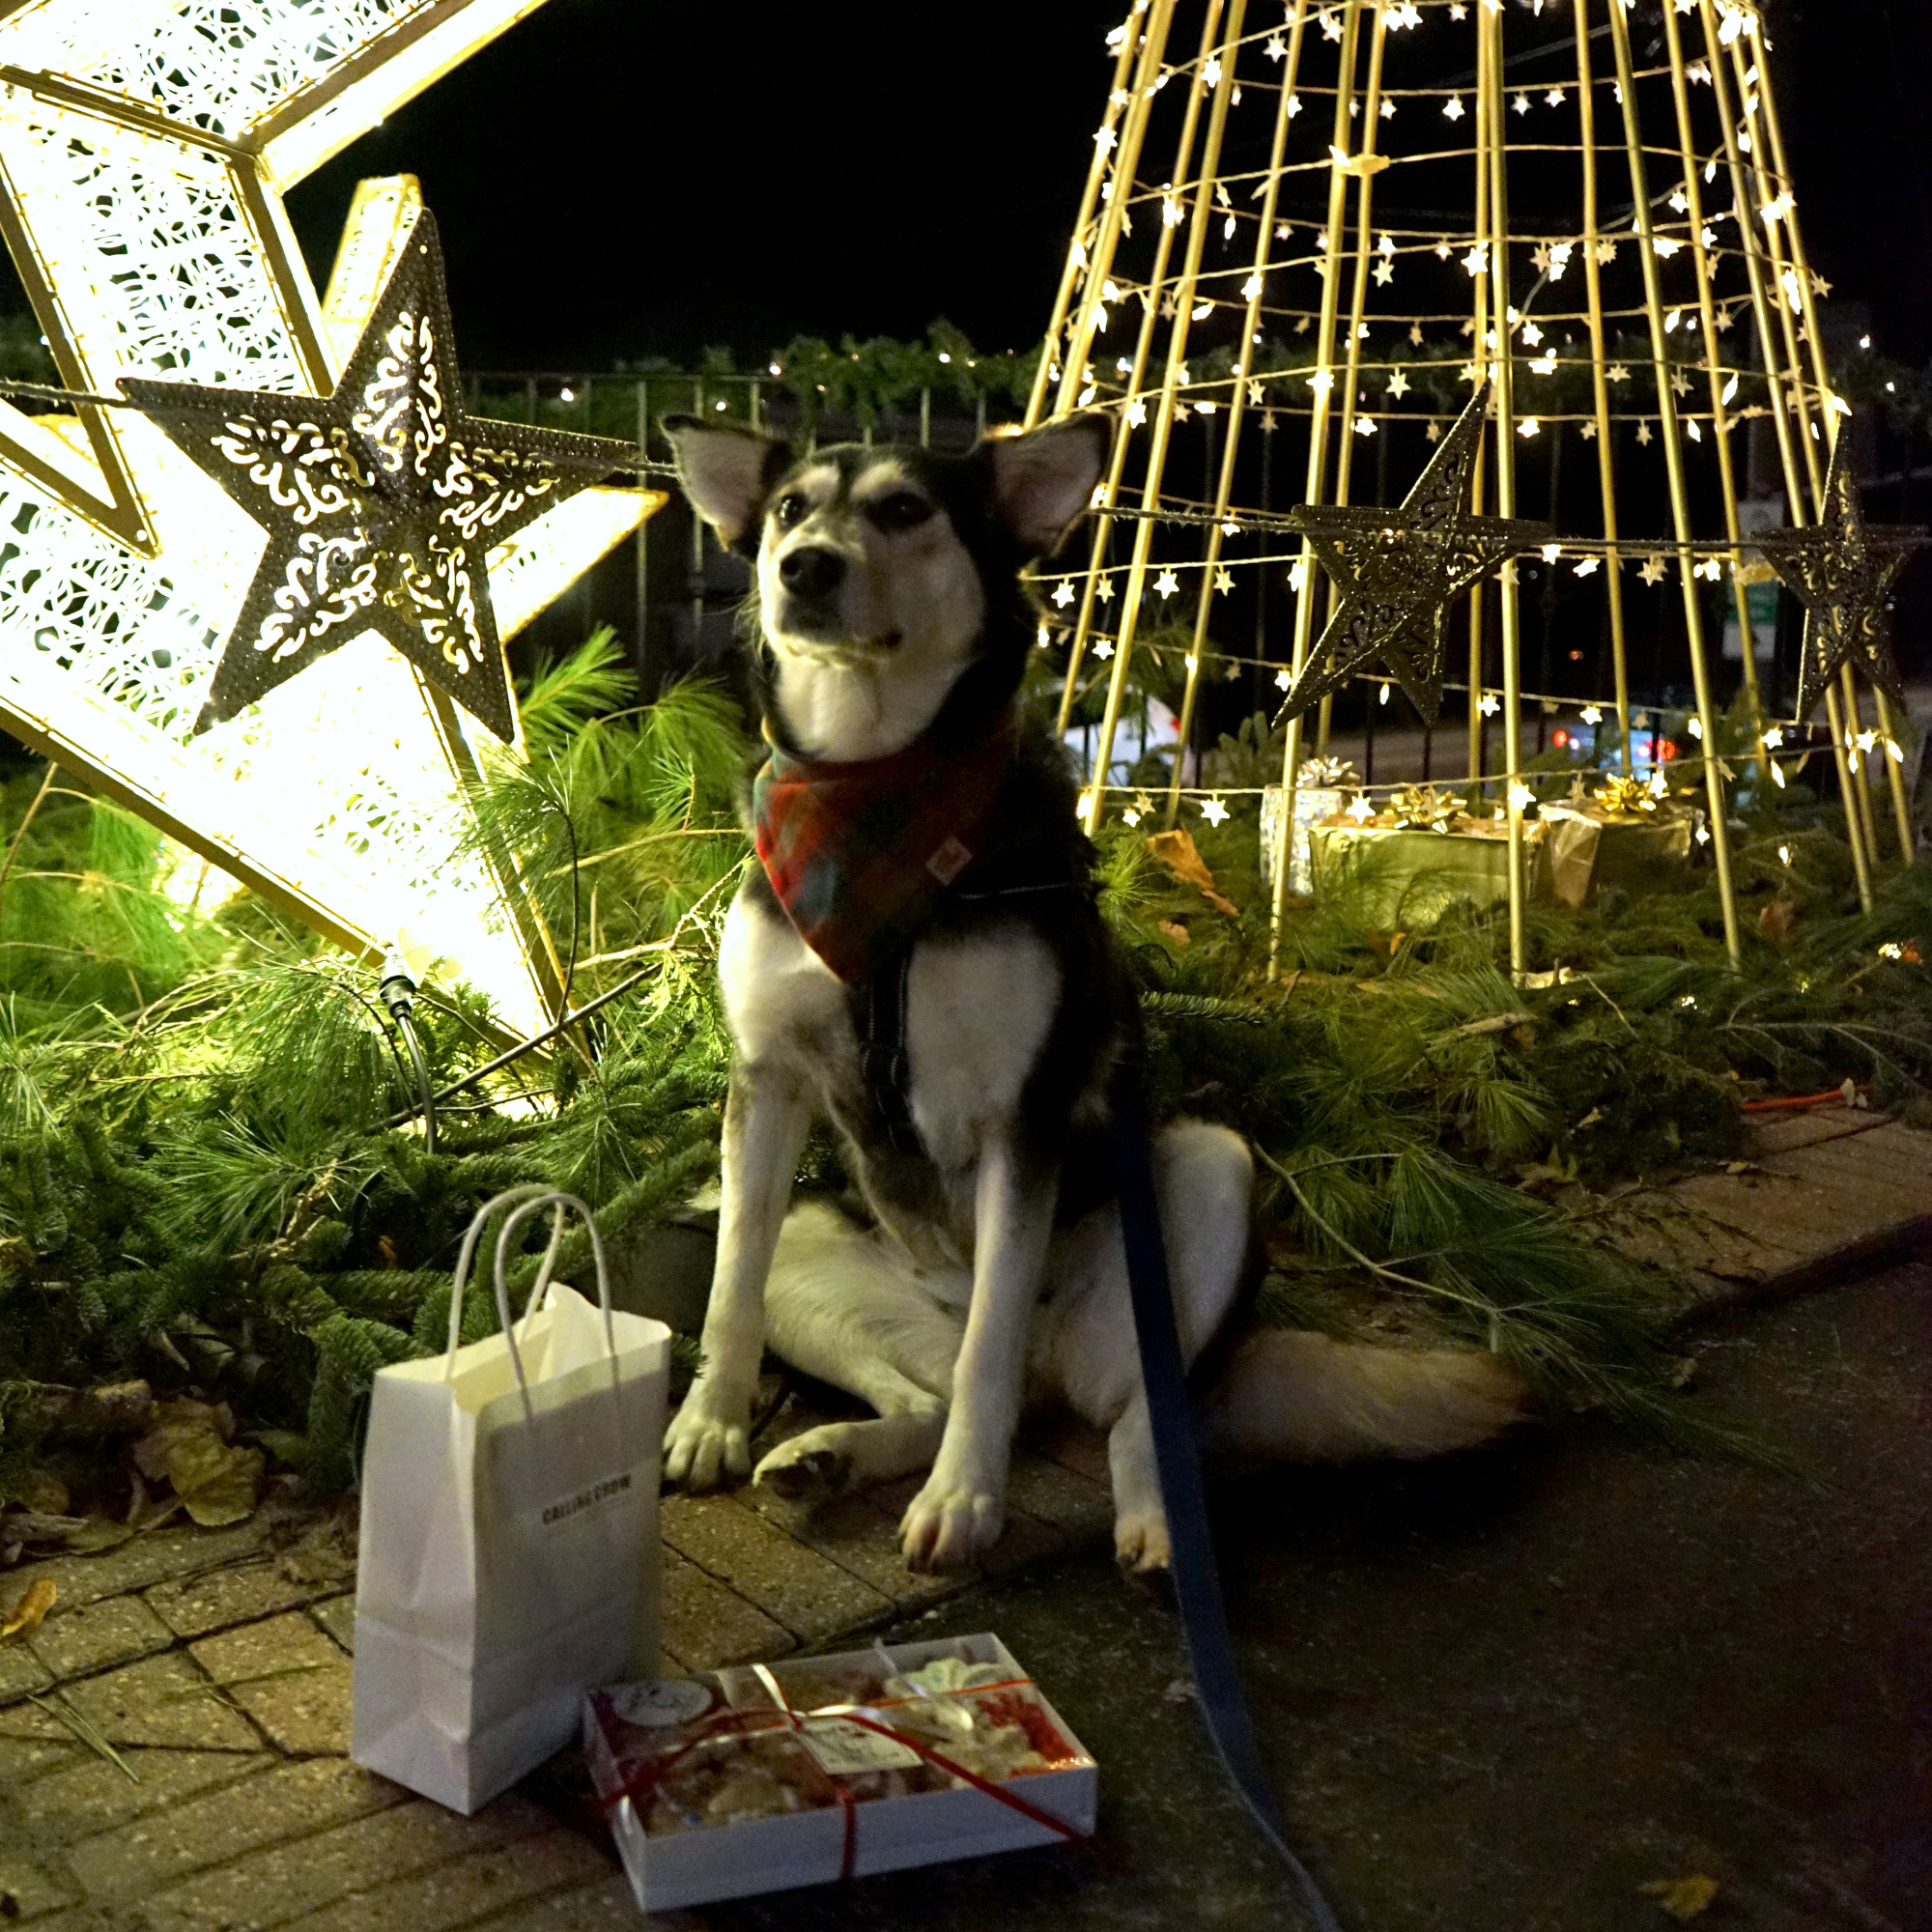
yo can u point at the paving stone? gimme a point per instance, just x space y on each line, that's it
1779 1133
113 1630
1054 1494
337 1616
21 1672
1883 1168
22 1760
809 1595
291 1801
32 1889
608 1907
705 1625
80 1800
853 1532
305 1711
198 1605
290 1881
151 1557
1073 1445
457 1892
26 1721
163 1700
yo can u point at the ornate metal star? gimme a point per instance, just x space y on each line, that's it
1843 573
379 500
1397 570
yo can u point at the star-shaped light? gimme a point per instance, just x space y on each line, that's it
1398 383
1167 583
1397 570
1064 594
1213 810
380 500
1844 576
1655 568
1104 590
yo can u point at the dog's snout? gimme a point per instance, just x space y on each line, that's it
812 572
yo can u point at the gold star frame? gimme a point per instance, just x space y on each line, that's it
145 148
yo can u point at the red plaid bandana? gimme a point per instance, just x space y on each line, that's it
859 854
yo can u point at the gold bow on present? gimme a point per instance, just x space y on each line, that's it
1423 809
1631 797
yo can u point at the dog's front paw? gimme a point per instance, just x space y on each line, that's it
812 1466
951 1525
1140 1540
709 1436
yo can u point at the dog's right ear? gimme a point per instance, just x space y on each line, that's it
726 472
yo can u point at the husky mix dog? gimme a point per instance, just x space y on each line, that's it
979 1268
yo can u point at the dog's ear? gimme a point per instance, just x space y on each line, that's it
726 472
1045 479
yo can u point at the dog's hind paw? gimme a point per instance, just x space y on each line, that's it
797 1470
1140 1543
947 1528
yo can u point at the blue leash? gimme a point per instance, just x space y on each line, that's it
1197 1584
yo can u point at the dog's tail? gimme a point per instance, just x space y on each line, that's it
1292 1395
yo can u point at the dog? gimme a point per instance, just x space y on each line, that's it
956 1007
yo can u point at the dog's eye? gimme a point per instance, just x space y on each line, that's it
790 510
900 511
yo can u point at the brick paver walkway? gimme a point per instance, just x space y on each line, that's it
216 1663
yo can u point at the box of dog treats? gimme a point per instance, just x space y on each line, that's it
764 1777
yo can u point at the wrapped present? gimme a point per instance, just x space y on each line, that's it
1410 864
766 1776
1321 786
1631 832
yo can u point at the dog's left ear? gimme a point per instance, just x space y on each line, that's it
1043 480
725 471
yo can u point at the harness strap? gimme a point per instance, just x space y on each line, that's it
1197 1584
884 1063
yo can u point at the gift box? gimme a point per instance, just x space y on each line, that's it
765 1776
1409 874
1595 843
1321 787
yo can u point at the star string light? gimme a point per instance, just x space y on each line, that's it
1399 570
1844 576
381 501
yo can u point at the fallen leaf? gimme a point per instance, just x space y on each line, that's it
1777 917
28 1614
1174 930
43 1492
1176 850
94 1533
1684 1899
217 1483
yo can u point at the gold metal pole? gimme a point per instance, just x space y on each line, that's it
1140 106
1606 466
1177 351
1680 499
1749 191
1480 288
1322 384
1150 300
1720 427
1236 403
1124 63
1489 63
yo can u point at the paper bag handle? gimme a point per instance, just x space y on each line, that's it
531 1197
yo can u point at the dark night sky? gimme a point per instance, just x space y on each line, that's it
616 180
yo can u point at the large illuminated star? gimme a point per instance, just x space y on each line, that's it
145 149
1398 571
379 500
1844 576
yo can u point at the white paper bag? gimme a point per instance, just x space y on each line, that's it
509 1536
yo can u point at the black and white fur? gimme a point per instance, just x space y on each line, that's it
987 1272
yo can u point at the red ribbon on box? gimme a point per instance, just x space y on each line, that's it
648 1777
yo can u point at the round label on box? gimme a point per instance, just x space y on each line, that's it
659 1701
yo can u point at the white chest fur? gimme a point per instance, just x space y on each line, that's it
978 1011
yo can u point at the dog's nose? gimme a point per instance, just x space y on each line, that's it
811 572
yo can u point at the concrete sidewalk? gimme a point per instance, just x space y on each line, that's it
216 1663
